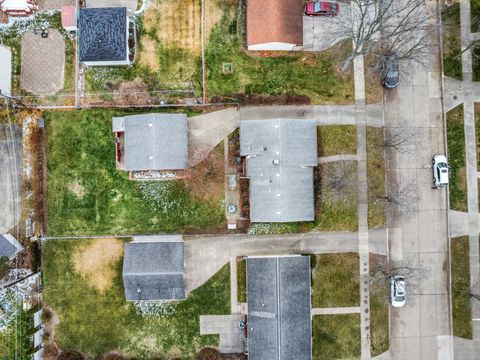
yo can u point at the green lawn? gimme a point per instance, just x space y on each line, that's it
460 272
336 281
242 281
96 322
336 196
456 159
336 139
376 177
336 337
452 62
379 289
87 195
475 15
312 75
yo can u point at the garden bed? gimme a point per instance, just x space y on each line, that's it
452 60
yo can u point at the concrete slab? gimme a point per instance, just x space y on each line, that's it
11 179
232 339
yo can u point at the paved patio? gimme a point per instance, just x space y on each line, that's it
232 338
43 63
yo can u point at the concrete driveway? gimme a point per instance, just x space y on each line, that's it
321 32
10 180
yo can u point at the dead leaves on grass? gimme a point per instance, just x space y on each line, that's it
96 262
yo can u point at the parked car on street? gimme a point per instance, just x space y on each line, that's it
397 291
391 73
321 8
440 171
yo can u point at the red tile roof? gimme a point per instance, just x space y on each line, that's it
275 21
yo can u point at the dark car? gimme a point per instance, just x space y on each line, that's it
321 8
391 73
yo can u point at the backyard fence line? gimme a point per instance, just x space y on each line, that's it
128 106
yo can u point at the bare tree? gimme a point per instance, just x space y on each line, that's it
402 199
408 267
401 139
381 27
339 180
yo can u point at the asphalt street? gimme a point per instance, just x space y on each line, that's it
419 239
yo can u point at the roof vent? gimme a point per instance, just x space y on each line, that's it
276 162
139 290
265 148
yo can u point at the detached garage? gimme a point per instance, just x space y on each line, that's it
274 25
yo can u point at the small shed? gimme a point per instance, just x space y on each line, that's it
5 70
9 246
69 17
153 268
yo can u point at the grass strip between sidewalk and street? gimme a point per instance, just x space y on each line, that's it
460 273
456 159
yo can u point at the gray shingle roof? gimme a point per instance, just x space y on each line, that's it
103 34
156 142
9 246
279 320
281 156
153 268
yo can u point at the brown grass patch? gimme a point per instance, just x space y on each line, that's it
148 56
179 25
207 180
96 261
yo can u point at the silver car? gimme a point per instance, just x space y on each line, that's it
397 291
440 171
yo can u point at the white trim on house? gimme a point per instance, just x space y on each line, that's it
272 46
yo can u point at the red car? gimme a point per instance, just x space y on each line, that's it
321 8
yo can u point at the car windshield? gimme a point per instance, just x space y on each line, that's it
400 287
442 165
316 7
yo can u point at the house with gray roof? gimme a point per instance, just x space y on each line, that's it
103 36
279 303
281 155
153 268
9 246
151 142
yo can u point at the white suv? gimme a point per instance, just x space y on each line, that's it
397 291
440 171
